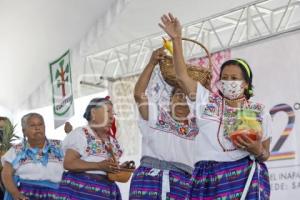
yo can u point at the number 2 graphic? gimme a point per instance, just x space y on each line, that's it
275 153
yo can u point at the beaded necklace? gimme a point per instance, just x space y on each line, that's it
243 100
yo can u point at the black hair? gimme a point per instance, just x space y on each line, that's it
94 103
238 62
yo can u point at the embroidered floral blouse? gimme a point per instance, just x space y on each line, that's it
34 163
90 148
217 120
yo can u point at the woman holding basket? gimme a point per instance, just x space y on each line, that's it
168 135
91 154
230 159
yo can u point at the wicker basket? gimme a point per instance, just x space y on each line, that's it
122 176
125 172
202 74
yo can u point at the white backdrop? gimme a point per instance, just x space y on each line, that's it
276 68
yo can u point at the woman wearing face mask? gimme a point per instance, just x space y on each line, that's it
227 168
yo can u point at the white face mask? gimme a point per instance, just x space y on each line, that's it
231 89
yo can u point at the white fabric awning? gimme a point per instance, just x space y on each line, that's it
33 33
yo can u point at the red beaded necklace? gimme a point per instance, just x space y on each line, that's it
243 99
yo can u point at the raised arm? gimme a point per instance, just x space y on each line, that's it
143 81
172 27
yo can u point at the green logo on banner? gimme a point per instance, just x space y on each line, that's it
60 71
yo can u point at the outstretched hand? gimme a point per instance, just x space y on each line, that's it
171 26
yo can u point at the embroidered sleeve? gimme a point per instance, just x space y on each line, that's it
211 109
207 103
76 141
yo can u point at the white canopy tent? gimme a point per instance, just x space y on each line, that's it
33 33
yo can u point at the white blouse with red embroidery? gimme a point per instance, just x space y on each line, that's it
90 148
213 143
165 139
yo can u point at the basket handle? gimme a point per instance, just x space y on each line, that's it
205 49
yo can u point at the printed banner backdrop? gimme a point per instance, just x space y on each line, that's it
61 79
276 68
